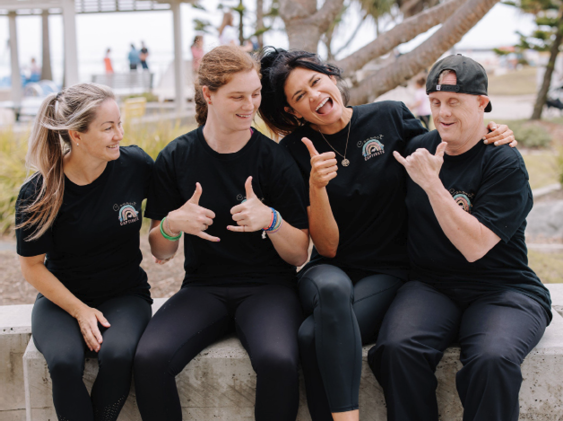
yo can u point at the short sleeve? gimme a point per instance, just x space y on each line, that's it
504 200
41 245
163 194
148 167
288 195
410 125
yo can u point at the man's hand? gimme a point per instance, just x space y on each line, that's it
323 166
422 166
251 215
192 218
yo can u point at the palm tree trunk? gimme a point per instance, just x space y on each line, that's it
46 72
553 52
260 22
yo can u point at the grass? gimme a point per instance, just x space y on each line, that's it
548 266
518 82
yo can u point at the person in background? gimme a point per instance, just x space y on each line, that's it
421 105
470 282
77 227
143 55
228 33
134 58
107 62
197 53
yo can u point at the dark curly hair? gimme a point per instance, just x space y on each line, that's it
276 65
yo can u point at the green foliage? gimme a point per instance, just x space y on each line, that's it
530 134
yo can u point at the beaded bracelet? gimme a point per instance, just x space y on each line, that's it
168 237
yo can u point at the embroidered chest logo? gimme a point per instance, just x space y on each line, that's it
463 199
127 213
372 147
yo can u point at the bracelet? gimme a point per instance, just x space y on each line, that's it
276 222
168 237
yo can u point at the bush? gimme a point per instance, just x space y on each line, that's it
530 134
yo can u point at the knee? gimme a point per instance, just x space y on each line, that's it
392 350
492 359
276 364
331 283
66 365
116 357
150 355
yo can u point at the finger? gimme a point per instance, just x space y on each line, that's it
90 340
208 237
330 176
310 147
208 213
441 149
325 171
236 228
248 188
97 334
492 125
514 143
400 158
197 194
324 163
237 209
103 321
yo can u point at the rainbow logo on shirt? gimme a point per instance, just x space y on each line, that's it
371 148
128 215
463 202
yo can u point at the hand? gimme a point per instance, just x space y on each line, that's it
162 261
251 215
500 135
323 166
192 218
88 319
422 166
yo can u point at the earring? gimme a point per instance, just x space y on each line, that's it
77 144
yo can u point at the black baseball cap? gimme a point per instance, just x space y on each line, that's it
471 77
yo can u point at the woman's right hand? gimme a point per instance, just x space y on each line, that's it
323 166
88 318
192 218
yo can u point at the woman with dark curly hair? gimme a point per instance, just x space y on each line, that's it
357 216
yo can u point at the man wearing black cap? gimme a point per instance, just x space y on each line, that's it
470 282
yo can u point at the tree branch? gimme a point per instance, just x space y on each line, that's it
408 65
326 14
295 9
358 27
398 35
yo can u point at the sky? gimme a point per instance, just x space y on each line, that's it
97 32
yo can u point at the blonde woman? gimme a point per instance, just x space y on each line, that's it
78 220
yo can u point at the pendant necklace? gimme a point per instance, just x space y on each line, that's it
345 162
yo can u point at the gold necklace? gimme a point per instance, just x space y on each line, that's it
345 162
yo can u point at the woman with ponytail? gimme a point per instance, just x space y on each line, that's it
239 199
77 225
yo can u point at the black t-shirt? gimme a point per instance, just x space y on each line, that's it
491 183
367 197
238 257
93 245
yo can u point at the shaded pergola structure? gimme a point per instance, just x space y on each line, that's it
69 9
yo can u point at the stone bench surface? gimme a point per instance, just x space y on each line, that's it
220 384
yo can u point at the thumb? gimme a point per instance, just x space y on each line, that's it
248 187
103 321
310 147
197 194
441 149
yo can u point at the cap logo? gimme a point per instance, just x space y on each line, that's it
438 87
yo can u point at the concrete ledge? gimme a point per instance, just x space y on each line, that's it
15 332
556 291
220 384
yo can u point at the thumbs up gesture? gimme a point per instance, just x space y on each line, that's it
323 166
192 218
422 166
251 215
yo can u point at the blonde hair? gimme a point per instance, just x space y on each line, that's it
227 21
72 109
444 74
217 69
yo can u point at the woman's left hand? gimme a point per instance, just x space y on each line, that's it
251 215
500 135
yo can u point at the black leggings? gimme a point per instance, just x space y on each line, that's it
57 335
266 318
342 314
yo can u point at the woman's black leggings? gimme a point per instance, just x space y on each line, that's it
342 314
57 335
266 318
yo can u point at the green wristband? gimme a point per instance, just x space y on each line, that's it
168 237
